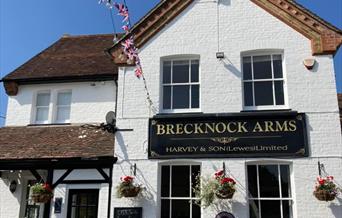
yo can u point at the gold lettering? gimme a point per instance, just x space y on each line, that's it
223 127
281 128
242 127
229 127
258 128
210 127
186 130
160 129
169 129
292 125
198 128
179 128
269 126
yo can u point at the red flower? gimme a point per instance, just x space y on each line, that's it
128 179
219 173
330 178
321 181
47 187
227 180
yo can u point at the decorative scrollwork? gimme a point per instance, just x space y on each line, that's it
224 140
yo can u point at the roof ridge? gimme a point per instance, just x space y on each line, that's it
65 36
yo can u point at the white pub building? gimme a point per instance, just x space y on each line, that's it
242 86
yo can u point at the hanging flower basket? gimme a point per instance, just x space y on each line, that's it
41 193
218 187
325 189
127 188
324 195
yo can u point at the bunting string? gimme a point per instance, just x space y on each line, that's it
128 45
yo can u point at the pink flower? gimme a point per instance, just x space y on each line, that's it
138 72
125 28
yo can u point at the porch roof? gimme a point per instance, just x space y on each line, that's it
52 144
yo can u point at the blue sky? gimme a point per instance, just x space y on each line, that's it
27 27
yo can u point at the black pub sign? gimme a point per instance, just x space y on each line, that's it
246 134
128 212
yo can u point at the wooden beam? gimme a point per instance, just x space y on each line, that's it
36 175
103 174
61 178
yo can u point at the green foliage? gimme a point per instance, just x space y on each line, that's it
40 188
205 191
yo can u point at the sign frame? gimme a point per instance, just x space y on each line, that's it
139 209
300 117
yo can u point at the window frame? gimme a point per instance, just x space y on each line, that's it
188 58
56 107
170 164
252 80
35 107
291 199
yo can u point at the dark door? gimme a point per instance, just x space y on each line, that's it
83 203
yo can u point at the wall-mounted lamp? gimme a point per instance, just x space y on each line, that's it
13 186
219 55
309 63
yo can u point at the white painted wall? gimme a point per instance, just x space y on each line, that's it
243 27
89 103
62 190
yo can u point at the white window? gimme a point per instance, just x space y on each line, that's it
269 190
63 107
263 82
180 84
177 196
42 108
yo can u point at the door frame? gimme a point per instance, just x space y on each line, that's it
73 191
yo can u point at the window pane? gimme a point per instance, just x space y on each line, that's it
248 93
43 99
181 209
285 181
181 97
262 67
92 212
167 72
279 92
195 172
252 181
195 96
270 209
42 114
194 71
64 98
286 209
247 68
253 209
165 181
263 93
180 72
167 97
180 181
268 181
165 208
277 66
63 114
196 210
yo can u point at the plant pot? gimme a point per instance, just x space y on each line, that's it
131 192
225 194
324 195
41 198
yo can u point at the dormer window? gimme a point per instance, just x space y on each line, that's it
181 85
42 108
63 107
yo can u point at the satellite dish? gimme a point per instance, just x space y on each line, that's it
224 214
110 118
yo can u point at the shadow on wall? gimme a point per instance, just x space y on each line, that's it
225 2
231 67
336 208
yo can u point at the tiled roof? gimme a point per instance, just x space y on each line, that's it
71 57
38 142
